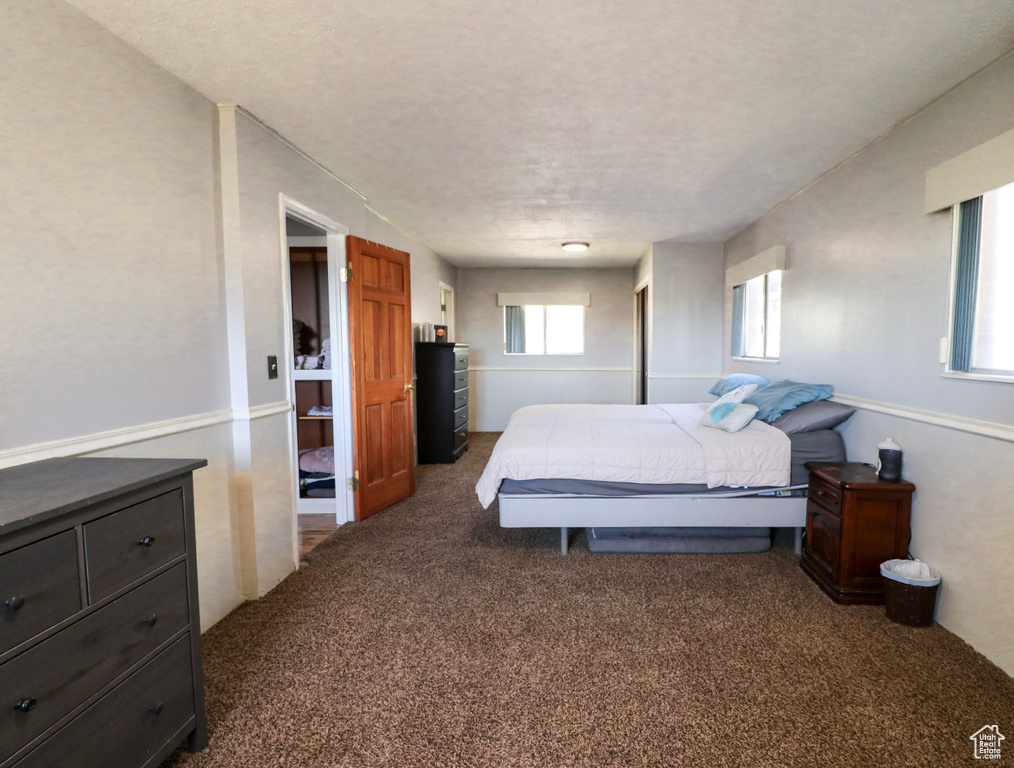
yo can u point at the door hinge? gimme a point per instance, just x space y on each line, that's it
353 483
345 274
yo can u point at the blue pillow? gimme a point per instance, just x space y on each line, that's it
728 383
781 396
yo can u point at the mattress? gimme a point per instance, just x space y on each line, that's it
650 444
822 445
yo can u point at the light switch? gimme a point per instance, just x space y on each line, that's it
272 367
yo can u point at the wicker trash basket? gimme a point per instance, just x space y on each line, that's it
910 592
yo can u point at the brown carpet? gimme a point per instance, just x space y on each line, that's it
429 636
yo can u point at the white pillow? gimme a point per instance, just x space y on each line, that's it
738 395
730 417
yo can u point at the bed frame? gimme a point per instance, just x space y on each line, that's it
733 509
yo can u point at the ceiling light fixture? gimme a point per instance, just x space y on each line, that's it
573 246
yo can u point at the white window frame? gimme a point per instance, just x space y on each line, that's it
765 323
545 331
764 263
947 353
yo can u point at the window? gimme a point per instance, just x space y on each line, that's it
983 312
544 329
757 317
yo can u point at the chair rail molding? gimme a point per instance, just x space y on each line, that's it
945 420
113 438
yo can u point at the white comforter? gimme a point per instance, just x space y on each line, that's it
634 444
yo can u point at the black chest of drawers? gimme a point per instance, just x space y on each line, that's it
441 401
100 656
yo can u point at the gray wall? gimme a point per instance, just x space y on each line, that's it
428 269
500 383
109 279
121 324
865 302
685 320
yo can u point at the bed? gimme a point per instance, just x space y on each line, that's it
623 467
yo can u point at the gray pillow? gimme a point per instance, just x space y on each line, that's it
809 417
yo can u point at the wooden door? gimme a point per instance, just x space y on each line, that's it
380 329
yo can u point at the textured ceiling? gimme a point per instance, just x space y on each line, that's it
492 131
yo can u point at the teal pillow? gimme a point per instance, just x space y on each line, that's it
728 383
781 396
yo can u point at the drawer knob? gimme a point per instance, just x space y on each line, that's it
26 704
157 708
147 541
15 603
151 620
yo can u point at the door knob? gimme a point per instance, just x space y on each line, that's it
409 387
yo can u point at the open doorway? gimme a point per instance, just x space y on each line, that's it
641 346
446 297
316 367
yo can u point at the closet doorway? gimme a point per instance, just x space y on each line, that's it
641 346
316 363
446 299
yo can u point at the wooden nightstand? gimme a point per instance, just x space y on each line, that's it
854 522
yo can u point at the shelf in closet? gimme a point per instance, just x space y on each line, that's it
315 374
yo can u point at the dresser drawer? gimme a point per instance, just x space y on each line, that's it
460 399
825 494
39 587
461 360
130 723
461 379
460 438
461 417
122 547
60 673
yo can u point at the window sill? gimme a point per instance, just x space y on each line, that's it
978 376
757 359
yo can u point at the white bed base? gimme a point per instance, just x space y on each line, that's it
724 510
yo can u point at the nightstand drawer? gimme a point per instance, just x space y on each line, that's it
460 398
60 673
122 547
461 360
461 379
826 495
822 538
40 588
127 725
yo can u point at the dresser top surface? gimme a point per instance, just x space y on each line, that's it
34 492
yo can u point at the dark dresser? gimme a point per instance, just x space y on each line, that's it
854 522
441 401
100 655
